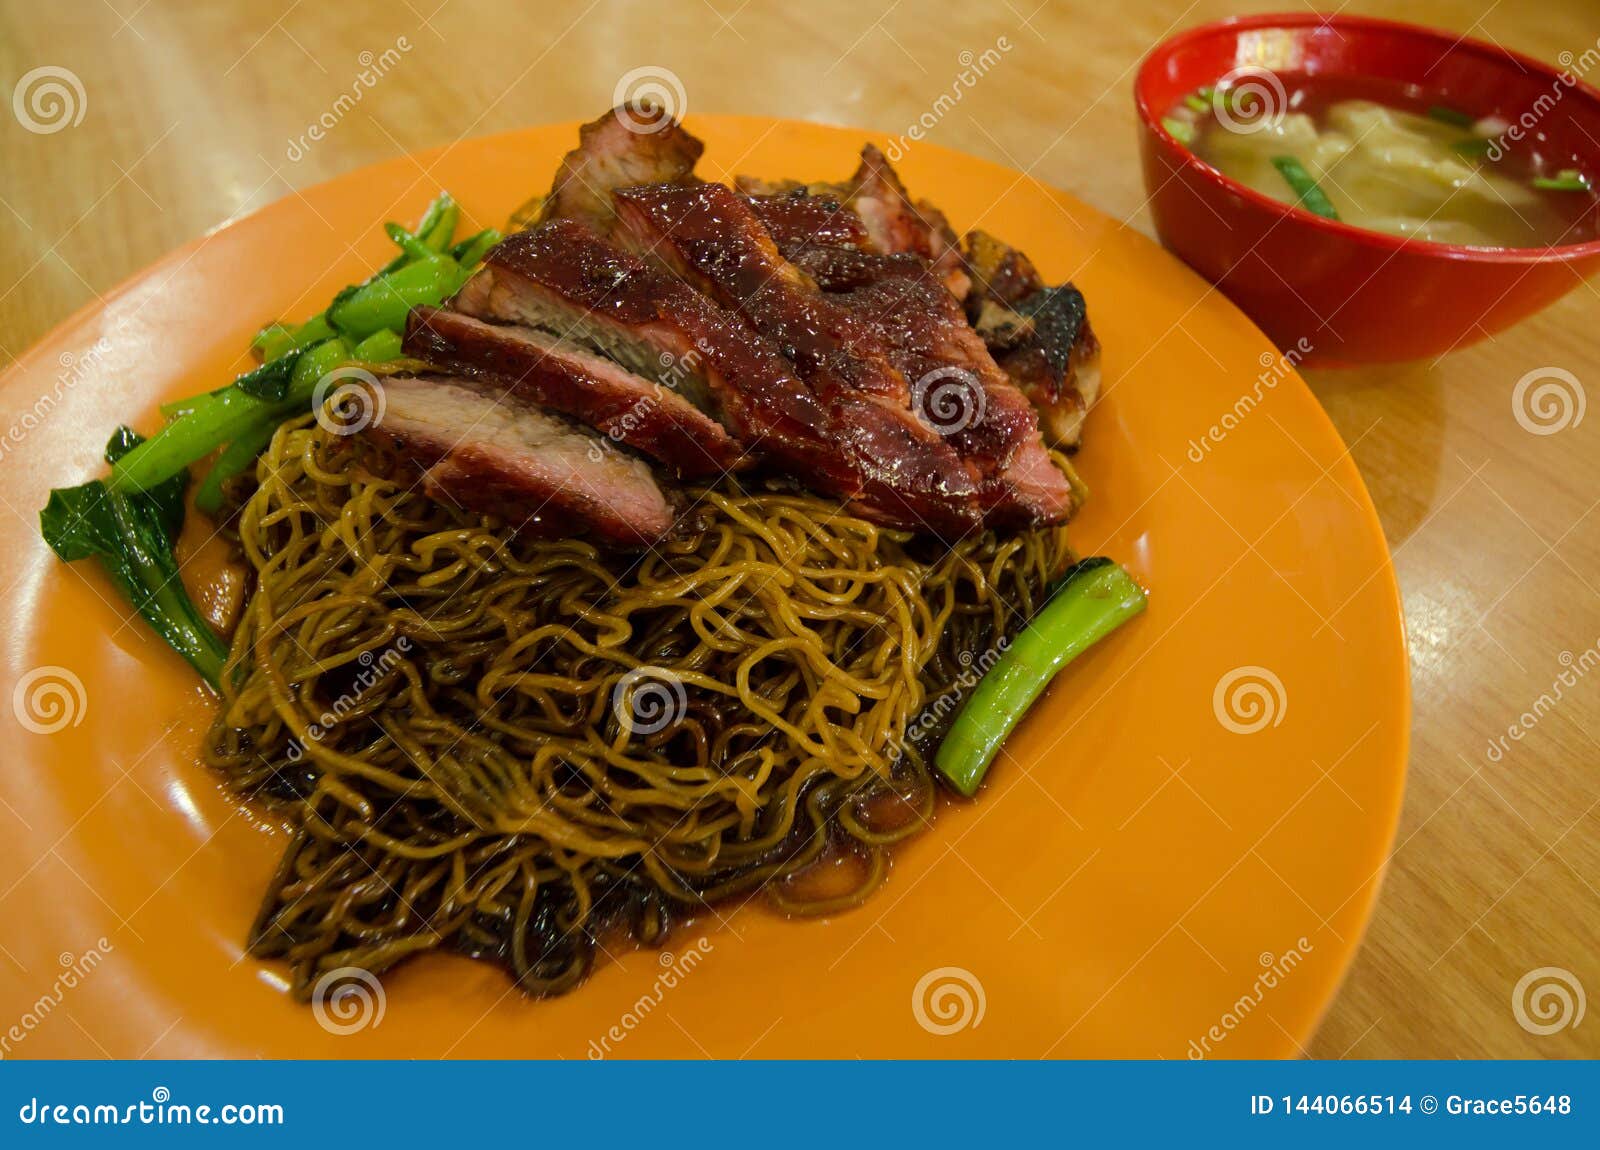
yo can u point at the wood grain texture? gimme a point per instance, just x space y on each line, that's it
194 114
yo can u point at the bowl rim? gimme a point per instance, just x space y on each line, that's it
1150 119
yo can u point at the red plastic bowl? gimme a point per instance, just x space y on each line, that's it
1349 295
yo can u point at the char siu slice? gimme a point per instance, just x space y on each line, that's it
563 278
631 144
963 393
710 235
894 224
539 471
1039 335
828 241
536 367
797 220
897 224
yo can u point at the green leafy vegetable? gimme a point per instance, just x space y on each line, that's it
378 347
1311 196
438 224
408 243
220 419
384 302
270 380
1091 600
129 520
472 249
131 536
233 460
1566 180
277 340
1180 130
1450 116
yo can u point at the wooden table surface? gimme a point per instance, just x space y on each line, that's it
192 115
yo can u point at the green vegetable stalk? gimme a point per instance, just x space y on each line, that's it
128 520
1091 600
131 535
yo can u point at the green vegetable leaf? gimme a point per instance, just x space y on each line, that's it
1180 130
1452 116
270 381
131 536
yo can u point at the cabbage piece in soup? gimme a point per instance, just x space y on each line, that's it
1389 169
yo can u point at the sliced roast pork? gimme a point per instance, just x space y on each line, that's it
631 144
961 392
541 472
957 387
894 223
710 235
829 242
1040 335
563 278
644 415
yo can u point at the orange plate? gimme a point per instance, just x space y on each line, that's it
1135 869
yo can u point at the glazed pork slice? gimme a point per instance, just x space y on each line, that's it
797 220
544 474
1040 335
710 235
564 278
894 223
632 144
958 388
963 393
1057 365
828 241
644 415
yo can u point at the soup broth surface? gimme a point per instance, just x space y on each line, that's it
1388 158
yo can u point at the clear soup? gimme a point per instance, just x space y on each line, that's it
1385 156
